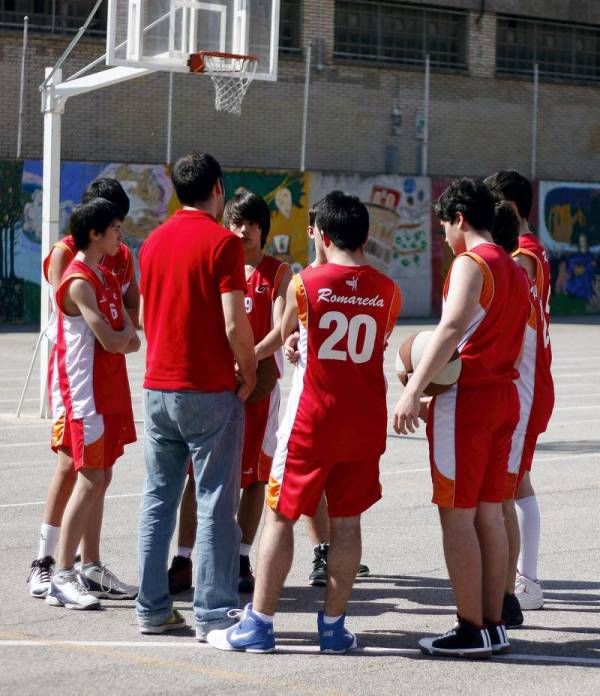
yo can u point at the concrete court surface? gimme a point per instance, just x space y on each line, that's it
408 596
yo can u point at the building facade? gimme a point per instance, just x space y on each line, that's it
367 86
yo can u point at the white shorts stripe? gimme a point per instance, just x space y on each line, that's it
525 388
444 426
285 429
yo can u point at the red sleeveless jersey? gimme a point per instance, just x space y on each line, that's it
543 387
337 407
493 341
121 264
262 287
92 380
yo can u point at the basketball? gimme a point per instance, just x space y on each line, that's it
266 379
409 355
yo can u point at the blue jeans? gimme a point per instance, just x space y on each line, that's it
210 428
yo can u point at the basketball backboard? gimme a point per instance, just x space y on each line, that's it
162 34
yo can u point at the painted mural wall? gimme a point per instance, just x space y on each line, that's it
569 227
400 243
404 239
400 229
152 200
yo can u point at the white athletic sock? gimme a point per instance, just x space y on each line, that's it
48 540
267 618
528 513
184 551
331 619
245 549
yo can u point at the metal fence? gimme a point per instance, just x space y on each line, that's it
392 32
562 51
51 16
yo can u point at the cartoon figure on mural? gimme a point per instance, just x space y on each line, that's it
570 229
396 233
286 194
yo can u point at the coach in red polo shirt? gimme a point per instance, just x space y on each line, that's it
192 285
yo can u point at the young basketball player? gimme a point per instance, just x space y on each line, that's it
469 427
93 334
267 278
249 218
317 525
536 389
346 310
63 479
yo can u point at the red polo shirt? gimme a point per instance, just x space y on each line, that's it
186 264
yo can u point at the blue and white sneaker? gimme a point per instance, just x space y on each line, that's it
251 634
335 638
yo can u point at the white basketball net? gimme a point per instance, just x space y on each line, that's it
231 77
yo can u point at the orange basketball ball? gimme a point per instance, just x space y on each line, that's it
409 355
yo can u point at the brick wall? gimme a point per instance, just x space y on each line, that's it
478 122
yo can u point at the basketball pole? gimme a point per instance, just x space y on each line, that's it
22 86
55 93
170 121
425 162
534 124
305 107
52 108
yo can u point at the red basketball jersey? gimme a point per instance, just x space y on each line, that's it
92 380
121 264
262 287
543 388
337 407
493 341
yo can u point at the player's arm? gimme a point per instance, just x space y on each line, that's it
290 347
81 297
289 321
140 321
58 264
134 344
527 263
131 301
464 292
273 341
241 340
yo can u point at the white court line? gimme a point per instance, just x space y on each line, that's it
6 445
572 422
403 471
536 460
395 472
43 502
284 649
558 409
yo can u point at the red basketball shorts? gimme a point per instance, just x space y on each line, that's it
520 460
260 428
97 441
470 433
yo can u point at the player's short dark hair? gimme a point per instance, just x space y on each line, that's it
513 187
251 208
194 177
312 214
344 218
470 197
110 189
96 214
505 230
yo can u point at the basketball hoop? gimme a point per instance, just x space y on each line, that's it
231 75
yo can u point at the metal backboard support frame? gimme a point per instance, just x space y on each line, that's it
55 92
163 35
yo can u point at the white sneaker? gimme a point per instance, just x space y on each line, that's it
67 590
40 576
103 583
529 593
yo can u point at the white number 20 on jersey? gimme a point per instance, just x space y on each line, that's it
349 329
